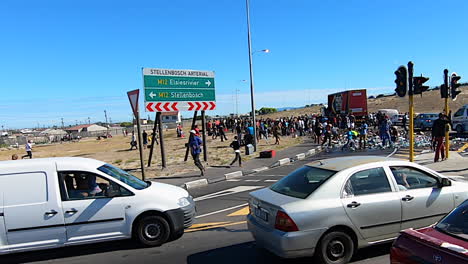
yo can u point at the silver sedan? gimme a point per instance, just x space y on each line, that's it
330 208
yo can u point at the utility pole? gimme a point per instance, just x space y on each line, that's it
105 114
62 123
89 121
411 110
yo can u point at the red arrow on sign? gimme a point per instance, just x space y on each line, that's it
190 106
174 107
213 105
158 107
166 107
205 104
198 106
149 107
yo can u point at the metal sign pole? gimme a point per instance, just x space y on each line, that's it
190 137
205 155
446 109
161 142
140 145
411 110
153 138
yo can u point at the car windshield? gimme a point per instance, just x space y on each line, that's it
456 223
123 176
302 182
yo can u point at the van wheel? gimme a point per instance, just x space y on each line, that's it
335 248
153 231
459 129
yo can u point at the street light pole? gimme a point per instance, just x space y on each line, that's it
252 99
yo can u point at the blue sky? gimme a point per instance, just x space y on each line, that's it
75 59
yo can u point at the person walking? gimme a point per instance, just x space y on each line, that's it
327 134
363 135
28 148
438 132
236 147
145 139
195 144
133 143
276 135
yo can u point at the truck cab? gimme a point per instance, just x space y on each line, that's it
460 119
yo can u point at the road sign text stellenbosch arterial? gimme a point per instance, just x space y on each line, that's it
178 89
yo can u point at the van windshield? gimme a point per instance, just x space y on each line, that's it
123 176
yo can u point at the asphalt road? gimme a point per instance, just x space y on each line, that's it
219 234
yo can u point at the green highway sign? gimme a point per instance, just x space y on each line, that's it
178 90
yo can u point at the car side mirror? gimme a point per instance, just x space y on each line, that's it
445 182
112 191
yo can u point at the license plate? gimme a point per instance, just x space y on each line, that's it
261 214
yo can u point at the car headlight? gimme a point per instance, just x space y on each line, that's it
184 201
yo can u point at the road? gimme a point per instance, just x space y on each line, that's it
219 235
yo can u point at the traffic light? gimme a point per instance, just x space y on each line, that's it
444 91
454 86
418 86
401 81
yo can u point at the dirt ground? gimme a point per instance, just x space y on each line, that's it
116 151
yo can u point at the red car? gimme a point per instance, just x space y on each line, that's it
444 242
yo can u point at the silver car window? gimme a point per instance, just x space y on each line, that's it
302 182
367 182
412 178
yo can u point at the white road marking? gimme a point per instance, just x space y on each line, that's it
234 190
220 211
233 180
271 180
267 175
252 180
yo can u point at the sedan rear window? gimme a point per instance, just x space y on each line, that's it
302 182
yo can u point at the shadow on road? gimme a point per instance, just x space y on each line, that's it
248 253
73 251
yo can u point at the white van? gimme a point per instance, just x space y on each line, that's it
460 119
389 112
55 202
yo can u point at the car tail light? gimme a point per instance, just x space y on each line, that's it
428 120
285 223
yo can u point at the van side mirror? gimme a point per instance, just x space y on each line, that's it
445 182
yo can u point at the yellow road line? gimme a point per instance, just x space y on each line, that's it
463 148
241 212
215 226
207 224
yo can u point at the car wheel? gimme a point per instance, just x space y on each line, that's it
335 248
459 129
153 231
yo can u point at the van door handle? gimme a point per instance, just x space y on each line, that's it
72 211
353 205
52 212
407 198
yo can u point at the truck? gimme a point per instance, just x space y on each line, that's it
348 102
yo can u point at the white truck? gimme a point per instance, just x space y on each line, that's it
56 202
460 119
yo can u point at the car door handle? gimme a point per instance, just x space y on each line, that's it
353 205
72 211
407 198
51 213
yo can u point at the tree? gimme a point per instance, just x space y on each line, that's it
126 124
267 110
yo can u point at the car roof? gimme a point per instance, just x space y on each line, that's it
58 160
341 163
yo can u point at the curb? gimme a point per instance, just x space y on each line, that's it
233 175
238 174
195 184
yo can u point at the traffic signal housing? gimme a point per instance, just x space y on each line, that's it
444 91
418 87
401 81
454 86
